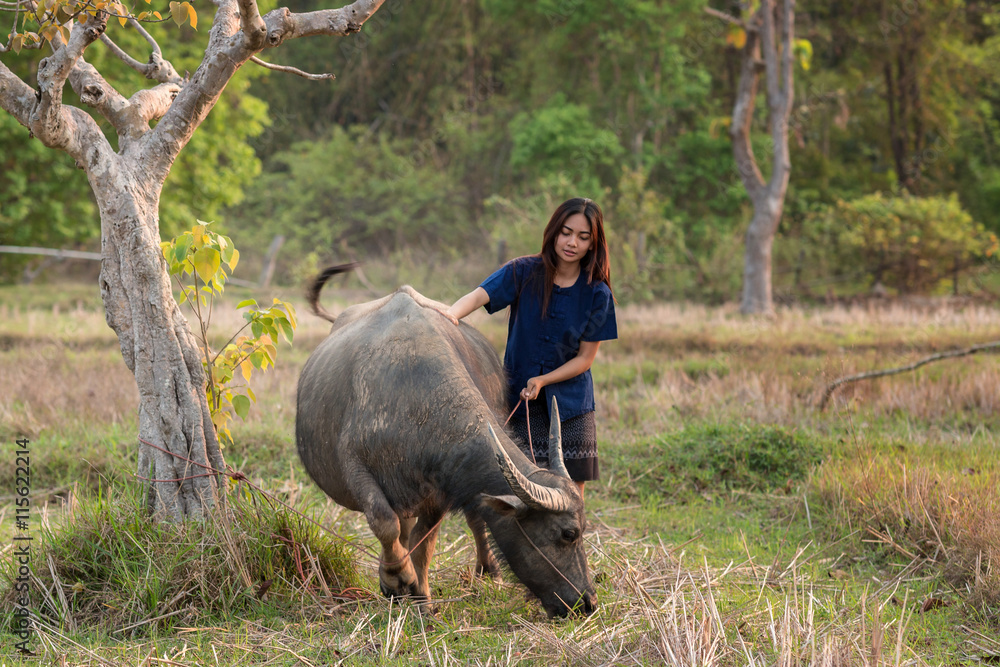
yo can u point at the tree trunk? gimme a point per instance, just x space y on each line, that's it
757 259
774 42
161 352
270 261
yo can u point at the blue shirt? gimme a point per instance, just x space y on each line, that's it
535 346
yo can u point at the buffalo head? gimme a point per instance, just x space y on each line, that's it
539 529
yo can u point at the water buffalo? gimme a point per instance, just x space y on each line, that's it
397 418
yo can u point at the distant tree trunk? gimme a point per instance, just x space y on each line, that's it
270 261
768 198
757 296
905 114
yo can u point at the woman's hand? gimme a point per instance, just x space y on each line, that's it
530 392
581 363
468 303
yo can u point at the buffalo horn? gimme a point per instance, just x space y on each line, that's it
531 494
556 464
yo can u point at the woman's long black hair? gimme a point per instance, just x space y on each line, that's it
595 264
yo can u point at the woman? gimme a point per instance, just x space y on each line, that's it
561 308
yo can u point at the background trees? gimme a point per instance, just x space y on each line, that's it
502 107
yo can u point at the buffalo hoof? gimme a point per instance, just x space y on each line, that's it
398 580
492 571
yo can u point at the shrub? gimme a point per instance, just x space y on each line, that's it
721 456
646 246
910 243
354 189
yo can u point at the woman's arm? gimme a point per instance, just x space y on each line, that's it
579 364
477 298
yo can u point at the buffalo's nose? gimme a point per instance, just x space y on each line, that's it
589 603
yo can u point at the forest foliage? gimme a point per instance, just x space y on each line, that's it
453 127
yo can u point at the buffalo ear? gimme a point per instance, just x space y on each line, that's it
506 505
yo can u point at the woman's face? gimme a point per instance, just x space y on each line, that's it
574 239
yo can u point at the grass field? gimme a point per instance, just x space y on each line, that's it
735 523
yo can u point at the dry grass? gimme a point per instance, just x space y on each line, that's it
930 516
963 393
774 368
64 366
45 386
927 314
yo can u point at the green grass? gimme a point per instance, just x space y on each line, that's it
711 458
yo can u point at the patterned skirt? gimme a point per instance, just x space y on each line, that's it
579 440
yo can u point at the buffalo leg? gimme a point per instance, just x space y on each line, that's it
395 572
405 528
486 562
422 541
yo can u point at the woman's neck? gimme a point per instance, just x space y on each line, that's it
567 274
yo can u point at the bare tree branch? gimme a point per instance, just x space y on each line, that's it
120 53
728 18
770 50
78 133
197 97
156 69
282 24
252 25
223 57
951 354
293 70
49 122
153 103
139 28
16 97
739 128
787 55
96 92
130 117
42 112
781 105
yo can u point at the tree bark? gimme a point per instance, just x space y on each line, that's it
757 297
158 347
